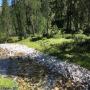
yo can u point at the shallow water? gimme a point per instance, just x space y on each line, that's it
38 76
42 71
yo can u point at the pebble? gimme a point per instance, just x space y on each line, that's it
68 70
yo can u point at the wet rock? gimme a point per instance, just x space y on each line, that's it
27 61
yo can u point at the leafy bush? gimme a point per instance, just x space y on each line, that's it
2 37
67 36
80 37
36 38
58 35
2 40
87 30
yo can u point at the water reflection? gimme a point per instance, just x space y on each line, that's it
32 76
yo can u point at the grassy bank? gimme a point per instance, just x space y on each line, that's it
73 49
7 83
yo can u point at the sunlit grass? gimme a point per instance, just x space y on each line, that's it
31 44
44 43
62 48
7 83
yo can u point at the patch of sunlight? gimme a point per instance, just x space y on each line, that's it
7 83
31 44
40 44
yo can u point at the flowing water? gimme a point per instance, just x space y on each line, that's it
40 71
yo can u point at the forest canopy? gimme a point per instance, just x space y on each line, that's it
25 18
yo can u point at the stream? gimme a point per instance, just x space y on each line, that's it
41 71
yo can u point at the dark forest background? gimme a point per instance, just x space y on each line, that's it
44 17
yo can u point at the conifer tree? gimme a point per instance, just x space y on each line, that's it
6 19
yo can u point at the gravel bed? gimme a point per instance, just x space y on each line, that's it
57 67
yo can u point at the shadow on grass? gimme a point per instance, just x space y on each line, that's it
75 52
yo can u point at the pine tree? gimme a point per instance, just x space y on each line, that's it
6 20
19 18
46 13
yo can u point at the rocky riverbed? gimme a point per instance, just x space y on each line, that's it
34 70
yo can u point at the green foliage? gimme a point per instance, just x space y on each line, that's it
36 38
7 83
64 49
81 36
6 20
2 37
31 17
41 24
67 36
57 27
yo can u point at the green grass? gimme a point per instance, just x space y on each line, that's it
65 49
7 83
31 44
44 43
